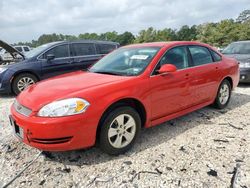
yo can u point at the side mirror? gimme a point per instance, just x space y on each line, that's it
50 57
166 68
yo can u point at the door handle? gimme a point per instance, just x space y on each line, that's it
216 68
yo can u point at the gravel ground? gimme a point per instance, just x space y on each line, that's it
206 148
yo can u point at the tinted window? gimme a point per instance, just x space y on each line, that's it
216 56
177 56
58 51
200 55
19 49
81 49
26 49
105 48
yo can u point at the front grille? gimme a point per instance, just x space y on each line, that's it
52 140
22 109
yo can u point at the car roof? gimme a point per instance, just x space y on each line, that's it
170 43
84 41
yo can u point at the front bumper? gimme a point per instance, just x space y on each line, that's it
245 75
55 134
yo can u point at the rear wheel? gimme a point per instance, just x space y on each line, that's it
22 81
119 130
223 95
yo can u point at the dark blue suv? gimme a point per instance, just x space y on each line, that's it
50 60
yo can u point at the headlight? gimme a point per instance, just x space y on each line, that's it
66 107
245 65
2 70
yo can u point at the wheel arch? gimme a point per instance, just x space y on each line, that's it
228 78
23 72
132 102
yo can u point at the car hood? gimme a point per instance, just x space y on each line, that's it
240 57
62 87
10 49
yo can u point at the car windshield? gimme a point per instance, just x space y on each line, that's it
36 51
125 61
237 48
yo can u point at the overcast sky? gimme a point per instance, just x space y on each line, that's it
24 20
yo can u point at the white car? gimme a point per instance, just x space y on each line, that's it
9 54
22 49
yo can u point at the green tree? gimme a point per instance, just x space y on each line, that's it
244 16
187 34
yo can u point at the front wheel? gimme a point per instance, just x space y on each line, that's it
22 81
119 130
223 95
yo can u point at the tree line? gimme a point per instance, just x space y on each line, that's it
217 34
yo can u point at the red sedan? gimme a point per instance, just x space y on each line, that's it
135 86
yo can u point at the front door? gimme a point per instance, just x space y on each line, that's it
170 92
62 62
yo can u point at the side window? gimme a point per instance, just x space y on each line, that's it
105 48
200 55
26 49
216 56
177 56
58 51
81 49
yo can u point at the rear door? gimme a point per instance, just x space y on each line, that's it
84 55
205 72
62 63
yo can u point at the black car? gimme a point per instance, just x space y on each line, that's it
49 60
241 51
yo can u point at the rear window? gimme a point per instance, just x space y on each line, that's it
82 49
105 48
26 49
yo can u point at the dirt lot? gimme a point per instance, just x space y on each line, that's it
207 148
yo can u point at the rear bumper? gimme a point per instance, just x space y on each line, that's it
245 75
55 134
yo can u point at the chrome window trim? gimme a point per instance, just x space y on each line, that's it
185 45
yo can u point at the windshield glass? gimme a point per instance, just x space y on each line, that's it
125 61
237 48
36 51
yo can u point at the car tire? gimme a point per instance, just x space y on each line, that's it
22 81
223 95
119 130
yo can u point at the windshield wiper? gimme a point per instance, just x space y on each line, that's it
106 72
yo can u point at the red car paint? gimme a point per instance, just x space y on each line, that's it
163 97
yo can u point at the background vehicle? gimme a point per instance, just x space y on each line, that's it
133 87
22 49
9 54
241 51
50 60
